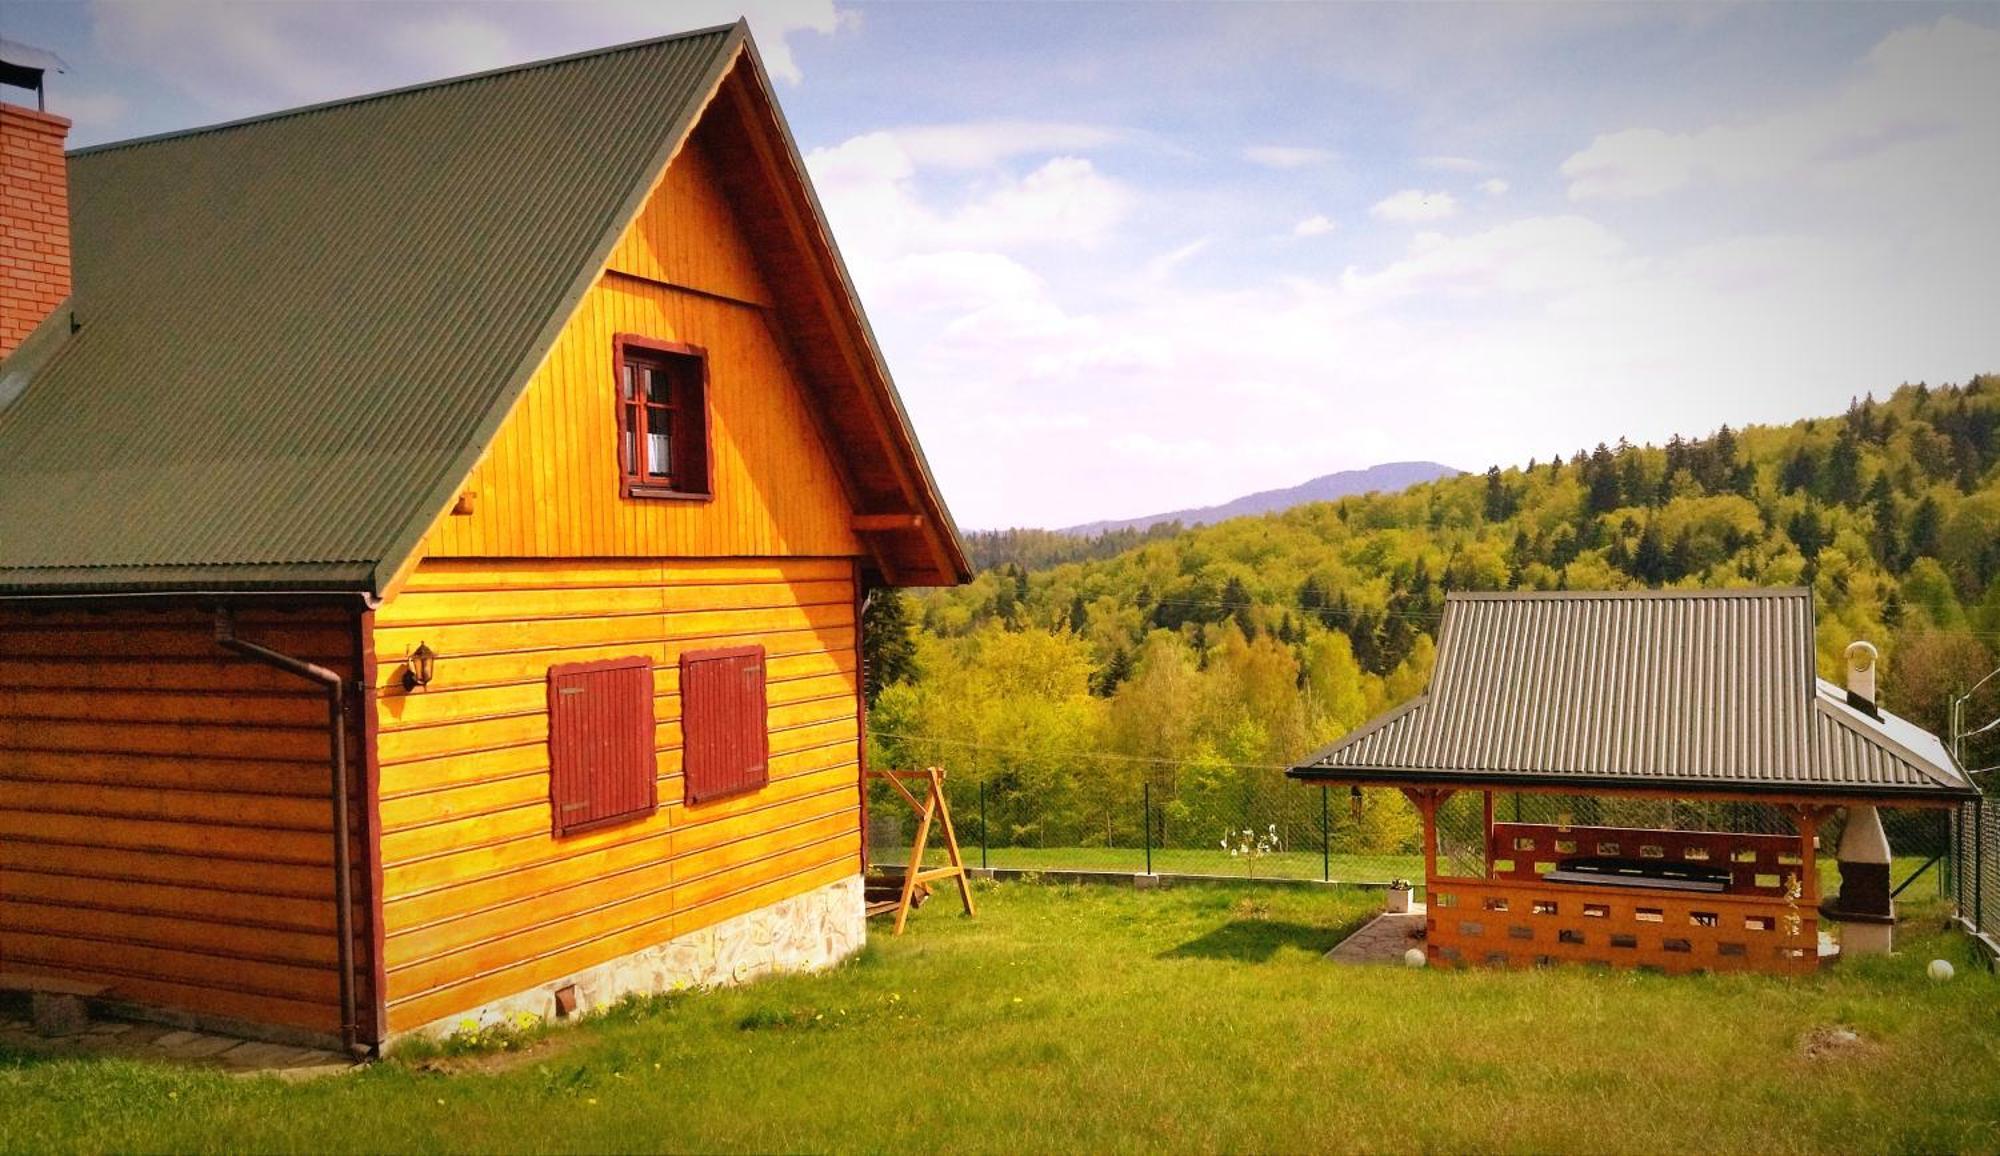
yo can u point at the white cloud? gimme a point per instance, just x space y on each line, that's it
1415 206
1064 202
1922 92
1286 156
1174 452
1531 256
867 184
1453 164
955 281
1494 187
1643 162
1317 225
1163 265
982 144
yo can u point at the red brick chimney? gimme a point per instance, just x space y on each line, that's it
34 220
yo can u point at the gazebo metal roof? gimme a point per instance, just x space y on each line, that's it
1702 692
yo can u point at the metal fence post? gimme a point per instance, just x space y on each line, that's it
1146 817
982 824
1979 865
1325 837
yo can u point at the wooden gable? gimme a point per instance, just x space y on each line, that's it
684 272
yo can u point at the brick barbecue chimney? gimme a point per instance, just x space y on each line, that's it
1863 907
34 215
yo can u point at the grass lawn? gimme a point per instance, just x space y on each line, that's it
1103 1018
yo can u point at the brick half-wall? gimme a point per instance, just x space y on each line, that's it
34 221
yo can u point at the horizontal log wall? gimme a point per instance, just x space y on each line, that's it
481 900
164 819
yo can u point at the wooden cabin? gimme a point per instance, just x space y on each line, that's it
434 531
1706 698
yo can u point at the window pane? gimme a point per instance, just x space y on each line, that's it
659 444
630 462
659 387
625 380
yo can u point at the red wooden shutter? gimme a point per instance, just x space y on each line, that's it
601 761
725 742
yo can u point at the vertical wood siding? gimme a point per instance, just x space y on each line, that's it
687 234
549 484
480 899
164 818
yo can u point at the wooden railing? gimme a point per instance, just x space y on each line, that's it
1514 923
1757 864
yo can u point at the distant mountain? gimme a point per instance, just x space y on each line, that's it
1387 477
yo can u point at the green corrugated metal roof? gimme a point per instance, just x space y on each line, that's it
296 333
1669 689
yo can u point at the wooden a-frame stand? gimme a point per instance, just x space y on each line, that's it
931 806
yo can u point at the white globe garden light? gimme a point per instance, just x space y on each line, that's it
1940 970
1415 957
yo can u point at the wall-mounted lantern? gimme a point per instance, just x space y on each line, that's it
419 667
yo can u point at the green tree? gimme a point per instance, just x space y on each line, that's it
1840 480
1808 532
888 641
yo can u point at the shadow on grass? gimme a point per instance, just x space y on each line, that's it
21 1058
1256 940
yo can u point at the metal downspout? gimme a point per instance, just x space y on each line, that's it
343 866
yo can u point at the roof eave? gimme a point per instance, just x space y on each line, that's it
1612 784
938 520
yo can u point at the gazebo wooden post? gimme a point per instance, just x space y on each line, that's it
1807 819
1425 803
1486 844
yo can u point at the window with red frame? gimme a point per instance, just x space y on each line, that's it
662 419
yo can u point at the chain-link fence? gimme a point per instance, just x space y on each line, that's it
1259 825
1975 874
1263 825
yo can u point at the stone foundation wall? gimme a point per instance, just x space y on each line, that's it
804 933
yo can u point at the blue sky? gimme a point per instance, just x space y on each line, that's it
1127 258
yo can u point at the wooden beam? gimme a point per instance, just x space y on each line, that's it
886 523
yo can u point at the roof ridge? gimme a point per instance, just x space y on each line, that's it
403 90
1745 592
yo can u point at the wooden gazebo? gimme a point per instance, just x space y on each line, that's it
1704 697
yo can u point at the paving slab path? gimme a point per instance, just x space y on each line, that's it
1382 939
147 1041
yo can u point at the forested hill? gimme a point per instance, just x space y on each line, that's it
1388 476
1036 549
1254 640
